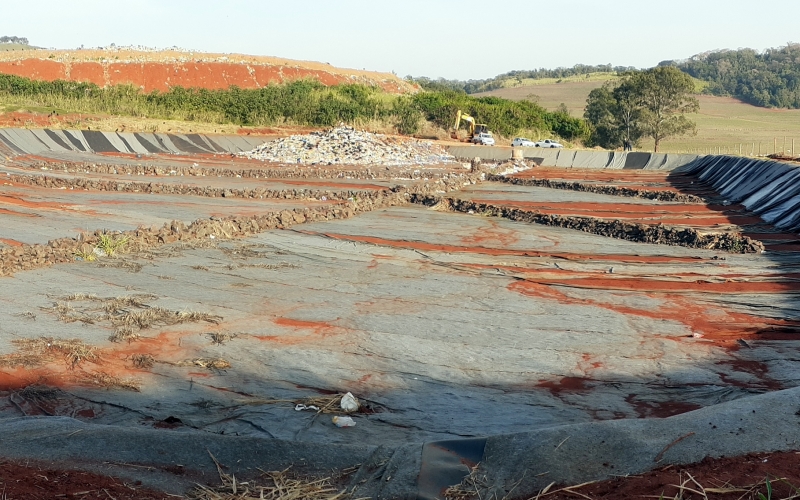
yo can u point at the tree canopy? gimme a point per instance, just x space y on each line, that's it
768 79
649 103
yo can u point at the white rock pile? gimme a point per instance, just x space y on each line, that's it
348 146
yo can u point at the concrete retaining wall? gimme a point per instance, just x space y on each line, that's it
569 158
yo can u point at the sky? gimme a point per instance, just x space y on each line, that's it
454 39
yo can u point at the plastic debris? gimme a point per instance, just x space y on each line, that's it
301 407
343 421
348 146
349 403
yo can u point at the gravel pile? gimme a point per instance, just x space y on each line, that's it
348 146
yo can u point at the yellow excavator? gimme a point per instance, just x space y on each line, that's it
472 127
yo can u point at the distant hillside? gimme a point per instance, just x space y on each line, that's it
550 95
768 79
519 78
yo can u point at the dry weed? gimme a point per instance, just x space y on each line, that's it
279 485
131 267
26 314
219 338
39 351
241 252
124 334
125 314
241 285
144 361
200 268
108 381
207 363
264 265
470 487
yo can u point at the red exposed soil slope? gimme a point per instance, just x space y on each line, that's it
162 70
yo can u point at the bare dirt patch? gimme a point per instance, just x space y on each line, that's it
751 477
42 481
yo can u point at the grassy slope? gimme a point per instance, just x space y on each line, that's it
16 46
722 122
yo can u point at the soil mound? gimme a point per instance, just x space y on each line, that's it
161 70
348 146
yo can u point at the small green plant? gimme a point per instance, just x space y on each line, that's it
768 496
85 256
111 244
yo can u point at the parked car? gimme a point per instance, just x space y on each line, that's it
484 139
547 143
521 142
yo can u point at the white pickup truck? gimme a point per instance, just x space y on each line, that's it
547 143
484 139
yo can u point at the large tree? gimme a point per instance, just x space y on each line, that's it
664 94
640 104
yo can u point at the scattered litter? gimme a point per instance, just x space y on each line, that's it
697 335
348 146
301 407
343 421
349 403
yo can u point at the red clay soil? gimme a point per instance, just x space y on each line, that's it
742 478
163 70
38 481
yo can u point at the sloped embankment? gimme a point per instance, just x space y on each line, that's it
165 69
769 189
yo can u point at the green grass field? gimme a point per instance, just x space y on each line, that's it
723 124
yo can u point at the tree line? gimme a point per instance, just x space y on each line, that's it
14 39
768 79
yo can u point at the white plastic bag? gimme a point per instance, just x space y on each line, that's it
343 421
349 403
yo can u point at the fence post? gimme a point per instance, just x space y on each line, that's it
774 145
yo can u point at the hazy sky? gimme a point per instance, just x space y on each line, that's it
437 38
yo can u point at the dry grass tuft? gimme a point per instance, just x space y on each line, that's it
220 338
200 268
131 267
124 334
278 485
263 265
108 381
144 361
42 350
26 314
207 363
242 252
469 488
127 314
